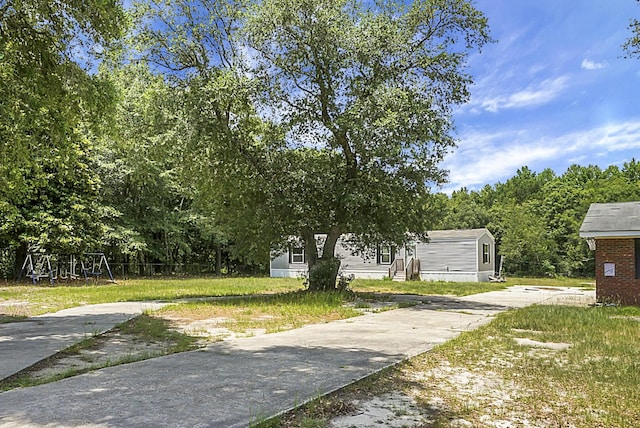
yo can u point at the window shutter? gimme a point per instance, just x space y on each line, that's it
290 251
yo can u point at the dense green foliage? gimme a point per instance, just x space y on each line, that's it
332 118
210 132
363 95
536 217
50 109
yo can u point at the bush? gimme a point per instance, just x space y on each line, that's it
323 274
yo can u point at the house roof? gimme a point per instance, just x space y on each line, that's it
612 220
458 234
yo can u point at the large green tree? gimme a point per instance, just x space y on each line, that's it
317 117
363 93
50 109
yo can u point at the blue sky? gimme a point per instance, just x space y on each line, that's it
553 91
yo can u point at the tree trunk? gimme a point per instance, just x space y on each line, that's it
218 261
310 249
20 255
323 271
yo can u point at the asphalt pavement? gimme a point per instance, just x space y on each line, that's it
235 382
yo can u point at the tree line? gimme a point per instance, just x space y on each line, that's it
536 217
216 131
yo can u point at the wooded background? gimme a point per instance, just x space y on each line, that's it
141 133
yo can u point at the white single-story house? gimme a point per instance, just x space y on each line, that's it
450 255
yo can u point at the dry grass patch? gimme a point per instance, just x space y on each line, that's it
30 300
541 366
264 313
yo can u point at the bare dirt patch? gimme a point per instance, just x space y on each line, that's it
546 345
441 396
393 409
209 329
12 310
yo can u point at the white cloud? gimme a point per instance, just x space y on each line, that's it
587 64
535 94
488 158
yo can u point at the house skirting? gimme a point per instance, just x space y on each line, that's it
455 276
288 273
377 274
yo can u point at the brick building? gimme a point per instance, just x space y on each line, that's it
614 230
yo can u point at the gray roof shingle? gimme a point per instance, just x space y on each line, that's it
458 233
612 220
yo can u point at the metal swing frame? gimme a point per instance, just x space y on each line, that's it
35 269
98 260
38 266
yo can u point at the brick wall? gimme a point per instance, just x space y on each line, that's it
622 288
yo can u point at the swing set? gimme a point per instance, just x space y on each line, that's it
97 262
38 266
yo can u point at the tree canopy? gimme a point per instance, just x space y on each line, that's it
50 107
536 217
233 128
326 117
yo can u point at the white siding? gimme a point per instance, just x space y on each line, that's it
280 262
486 267
448 256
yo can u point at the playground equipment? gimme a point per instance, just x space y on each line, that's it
69 268
96 262
37 266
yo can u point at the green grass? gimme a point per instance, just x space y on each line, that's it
11 318
560 281
592 383
153 329
423 287
43 299
272 313
461 288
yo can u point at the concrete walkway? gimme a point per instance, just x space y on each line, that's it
236 382
26 342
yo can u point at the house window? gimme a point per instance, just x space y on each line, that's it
385 254
637 245
486 255
297 255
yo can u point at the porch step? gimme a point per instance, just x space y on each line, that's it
400 276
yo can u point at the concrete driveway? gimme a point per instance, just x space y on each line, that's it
236 382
